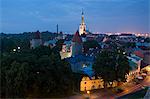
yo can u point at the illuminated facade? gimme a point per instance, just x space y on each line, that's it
82 27
66 50
91 84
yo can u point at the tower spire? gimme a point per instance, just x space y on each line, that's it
82 17
82 11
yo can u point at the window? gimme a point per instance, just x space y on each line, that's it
84 82
84 88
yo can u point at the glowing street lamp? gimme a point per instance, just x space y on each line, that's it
124 52
18 47
88 92
14 50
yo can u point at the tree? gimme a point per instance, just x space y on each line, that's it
59 44
111 65
90 44
38 73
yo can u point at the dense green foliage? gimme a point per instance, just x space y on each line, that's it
58 46
35 73
111 65
12 41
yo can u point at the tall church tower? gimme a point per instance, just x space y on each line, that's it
82 26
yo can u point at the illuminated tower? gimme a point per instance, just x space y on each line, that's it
82 26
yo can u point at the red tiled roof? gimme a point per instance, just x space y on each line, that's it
139 53
77 38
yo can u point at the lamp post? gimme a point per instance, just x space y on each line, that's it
88 92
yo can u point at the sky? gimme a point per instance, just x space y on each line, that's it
18 16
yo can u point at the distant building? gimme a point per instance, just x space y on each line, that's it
50 43
66 50
36 41
82 26
127 38
60 36
77 44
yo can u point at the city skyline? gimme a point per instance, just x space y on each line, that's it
100 15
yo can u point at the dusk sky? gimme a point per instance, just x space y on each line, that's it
100 15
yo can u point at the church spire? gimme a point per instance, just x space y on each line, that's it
82 17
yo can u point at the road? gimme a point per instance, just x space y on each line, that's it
109 94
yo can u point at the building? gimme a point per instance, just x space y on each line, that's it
82 26
77 44
50 43
81 64
66 50
134 66
90 84
36 41
127 38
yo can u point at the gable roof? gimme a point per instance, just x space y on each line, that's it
77 38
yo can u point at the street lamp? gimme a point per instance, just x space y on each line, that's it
88 92
14 50
18 47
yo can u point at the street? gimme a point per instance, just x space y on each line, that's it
108 93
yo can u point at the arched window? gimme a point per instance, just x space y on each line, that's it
93 87
99 86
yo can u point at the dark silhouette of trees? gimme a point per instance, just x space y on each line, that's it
90 44
111 65
38 73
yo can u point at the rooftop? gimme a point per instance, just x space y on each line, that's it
77 38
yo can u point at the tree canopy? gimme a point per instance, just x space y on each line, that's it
35 73
111 65
90 44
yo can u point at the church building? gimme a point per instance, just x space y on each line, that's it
82 27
